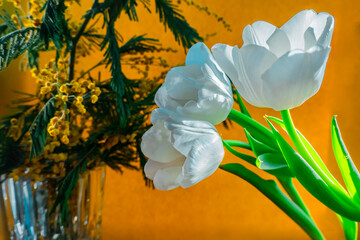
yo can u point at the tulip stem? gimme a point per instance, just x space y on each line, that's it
272 191
289 187
323 172
255 128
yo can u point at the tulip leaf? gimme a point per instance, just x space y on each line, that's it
256 129
258 147
308 147
350 228
310 179
347 167
242 105
247 158
234 143
309 154
274 164
272 191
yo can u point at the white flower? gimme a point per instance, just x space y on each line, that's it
200 90
181 151
279 68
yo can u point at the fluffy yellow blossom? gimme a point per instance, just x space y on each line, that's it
65 98
54 120
96 91
45 90
94 98
85 83
65 139
80 99
57 97
36 22
91 86
54 132
64 89
15 19
13 121
16 3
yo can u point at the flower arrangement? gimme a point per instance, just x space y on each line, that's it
277 68
78 119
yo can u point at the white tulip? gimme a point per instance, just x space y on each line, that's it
279 68
181 151
200 90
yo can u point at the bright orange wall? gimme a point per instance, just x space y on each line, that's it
224 206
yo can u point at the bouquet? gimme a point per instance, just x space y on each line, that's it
81 117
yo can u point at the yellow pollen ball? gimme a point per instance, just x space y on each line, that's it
94 98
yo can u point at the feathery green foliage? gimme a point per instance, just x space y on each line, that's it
170 16
54 25
16 43
119 114
38 128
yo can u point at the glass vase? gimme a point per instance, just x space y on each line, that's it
25 208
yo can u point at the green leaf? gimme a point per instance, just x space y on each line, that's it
347 167
329 195
16 43
308 147
258 147
38 129
247 158
271 190
243 109
274 164
138 44
54 25
257 130
350 228
8 25
309 154
170 15
234 143
118 80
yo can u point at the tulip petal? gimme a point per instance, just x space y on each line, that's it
159 114
294 77
180 86
278 42
198 54
168 178
253 61
156 144
296 27
214 98
309 39
323 27
258 33
200 143
200 91
151 167
224 56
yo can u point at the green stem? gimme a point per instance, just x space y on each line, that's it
272 191
234 143
295 138
289 187
75 40
256 129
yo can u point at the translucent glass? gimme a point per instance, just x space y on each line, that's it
25 206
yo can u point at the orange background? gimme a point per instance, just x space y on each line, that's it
224 206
